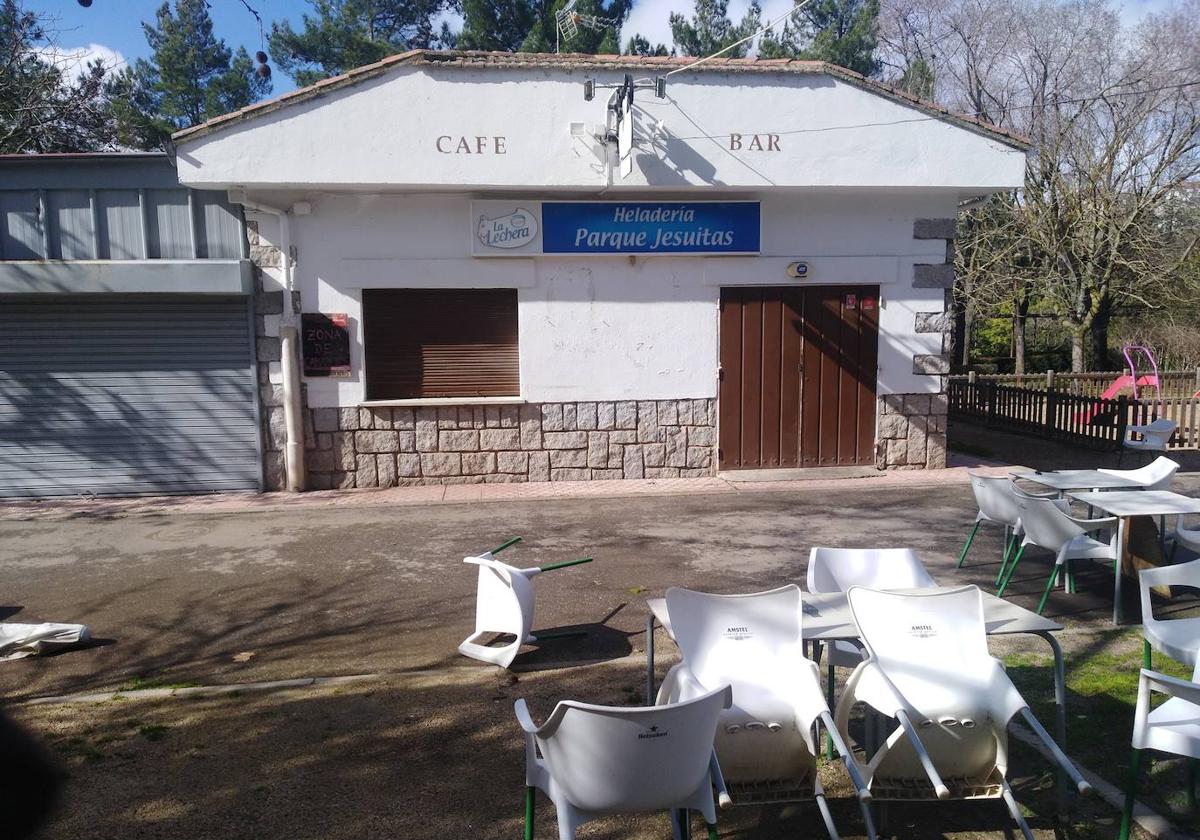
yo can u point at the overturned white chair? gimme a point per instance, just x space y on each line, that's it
504 606
928 667
20 640
765 742
592 761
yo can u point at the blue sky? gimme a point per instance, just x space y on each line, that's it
112 29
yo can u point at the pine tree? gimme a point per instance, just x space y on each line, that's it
842 32
531 26
344 34
640 45
191 76
710 29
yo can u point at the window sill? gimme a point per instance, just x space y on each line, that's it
443 401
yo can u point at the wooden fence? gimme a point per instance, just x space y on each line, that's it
1072 418
1175 384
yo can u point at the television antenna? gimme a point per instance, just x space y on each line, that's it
567 22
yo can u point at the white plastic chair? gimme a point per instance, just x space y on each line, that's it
1178 638
994 496
765 741
928 666
1173 727
837 569
1048 526
1156 475
1154 435
504 605
592 761
1188 538
20 640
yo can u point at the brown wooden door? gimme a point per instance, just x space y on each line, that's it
798 369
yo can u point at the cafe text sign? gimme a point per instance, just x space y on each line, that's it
615 227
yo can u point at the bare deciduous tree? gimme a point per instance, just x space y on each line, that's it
48 102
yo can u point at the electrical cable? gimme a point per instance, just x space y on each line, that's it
752 35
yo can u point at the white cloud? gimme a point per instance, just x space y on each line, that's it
1132 11
74 60
651 18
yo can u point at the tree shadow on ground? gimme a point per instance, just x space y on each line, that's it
422 756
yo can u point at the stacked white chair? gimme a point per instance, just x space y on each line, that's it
592 761
1047 525
504 606
838 569
1172 727
928 667
765 742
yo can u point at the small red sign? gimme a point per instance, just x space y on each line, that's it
868 304
851 301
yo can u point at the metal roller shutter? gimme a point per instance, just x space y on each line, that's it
125 396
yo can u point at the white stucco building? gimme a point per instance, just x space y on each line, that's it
749 271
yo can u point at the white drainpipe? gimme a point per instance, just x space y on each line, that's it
289 335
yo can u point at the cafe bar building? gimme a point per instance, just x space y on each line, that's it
483 267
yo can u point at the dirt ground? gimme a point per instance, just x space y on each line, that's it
430 749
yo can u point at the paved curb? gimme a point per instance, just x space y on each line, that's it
1148 820
471 494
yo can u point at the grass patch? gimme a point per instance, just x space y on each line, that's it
144 683
153 731
1101 695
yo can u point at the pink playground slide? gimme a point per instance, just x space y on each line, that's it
1127 380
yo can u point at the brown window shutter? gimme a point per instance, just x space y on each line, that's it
440 343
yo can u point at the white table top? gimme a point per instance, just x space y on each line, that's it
1125 503
1078 480
827 617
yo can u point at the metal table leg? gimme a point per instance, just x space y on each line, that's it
650 659
1060 708
1118 566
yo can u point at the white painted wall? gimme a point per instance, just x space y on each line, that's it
384 133
603 328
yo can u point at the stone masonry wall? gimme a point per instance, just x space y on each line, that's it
575 441
911 431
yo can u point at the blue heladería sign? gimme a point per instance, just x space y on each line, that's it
650 227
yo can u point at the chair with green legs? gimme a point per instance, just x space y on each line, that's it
1173 727
997 505
1177 638
1046 525
593 761
504 607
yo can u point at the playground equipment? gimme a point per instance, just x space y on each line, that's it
504 606
1128 380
